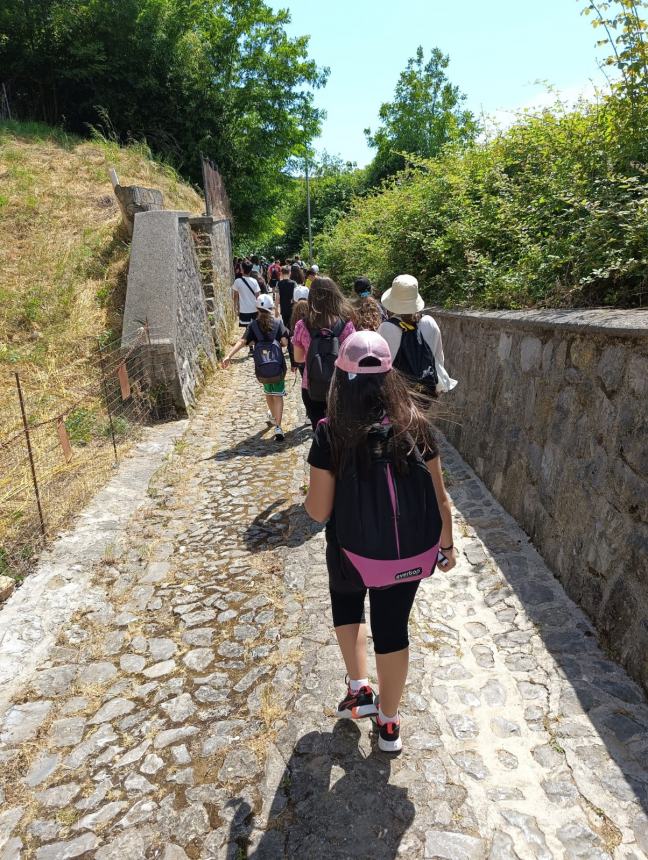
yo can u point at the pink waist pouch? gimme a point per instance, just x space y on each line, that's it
376 573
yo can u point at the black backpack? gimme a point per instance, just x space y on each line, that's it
387 524
414 358
269 361
320 360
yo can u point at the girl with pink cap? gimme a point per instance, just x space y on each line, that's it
376 480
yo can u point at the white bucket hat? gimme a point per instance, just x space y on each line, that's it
300 293
265 303
403 296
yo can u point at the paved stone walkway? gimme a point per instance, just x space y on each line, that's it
187 713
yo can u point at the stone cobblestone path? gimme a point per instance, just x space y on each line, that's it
187 712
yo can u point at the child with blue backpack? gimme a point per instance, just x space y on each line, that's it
376 480
266 335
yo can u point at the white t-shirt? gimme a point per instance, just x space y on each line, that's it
247 298
431 334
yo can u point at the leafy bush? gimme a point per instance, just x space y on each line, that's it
120 427
81 425
552 212
334 184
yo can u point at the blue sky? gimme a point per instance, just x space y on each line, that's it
498 50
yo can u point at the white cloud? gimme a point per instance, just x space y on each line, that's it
503 118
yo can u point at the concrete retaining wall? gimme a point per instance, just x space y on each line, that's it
552 413
164 287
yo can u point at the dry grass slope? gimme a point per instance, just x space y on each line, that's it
62 267
62 287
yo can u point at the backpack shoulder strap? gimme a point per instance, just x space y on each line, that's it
251 289
256 329
403 326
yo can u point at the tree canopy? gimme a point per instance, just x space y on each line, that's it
552 211
218 76
334 184
425 115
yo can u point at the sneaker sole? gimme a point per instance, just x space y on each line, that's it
357 713
279 438
390 746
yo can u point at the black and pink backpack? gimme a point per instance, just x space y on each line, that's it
387 523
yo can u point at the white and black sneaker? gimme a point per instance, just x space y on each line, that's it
279 434
389 739
358 704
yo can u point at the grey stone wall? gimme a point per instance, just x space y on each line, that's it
551 411
214 244
164 287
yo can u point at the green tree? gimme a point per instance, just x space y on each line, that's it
424 116
547 213
218 76
334 184
625 31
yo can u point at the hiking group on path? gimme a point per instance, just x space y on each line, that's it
369 374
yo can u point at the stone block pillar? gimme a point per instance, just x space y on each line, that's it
133 199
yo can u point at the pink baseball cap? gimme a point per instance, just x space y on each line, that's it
364 352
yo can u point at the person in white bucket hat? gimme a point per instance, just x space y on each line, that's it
420 356
403 297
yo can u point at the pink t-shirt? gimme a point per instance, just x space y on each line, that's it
302 339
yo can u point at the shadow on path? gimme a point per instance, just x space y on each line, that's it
615 706
261 444
279 525
332 802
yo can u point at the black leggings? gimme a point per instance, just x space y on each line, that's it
315 409
389 612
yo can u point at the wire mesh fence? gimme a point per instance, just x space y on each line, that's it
51 464
216 199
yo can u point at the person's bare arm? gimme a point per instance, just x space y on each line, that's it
238 345
434 468
321 494
300 354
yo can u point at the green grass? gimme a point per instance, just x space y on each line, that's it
35 132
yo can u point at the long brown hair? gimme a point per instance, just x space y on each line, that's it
326 304
296 274
366 315
358 406
299 312
266 321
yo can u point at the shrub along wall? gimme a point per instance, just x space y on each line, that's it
551 213
551 413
